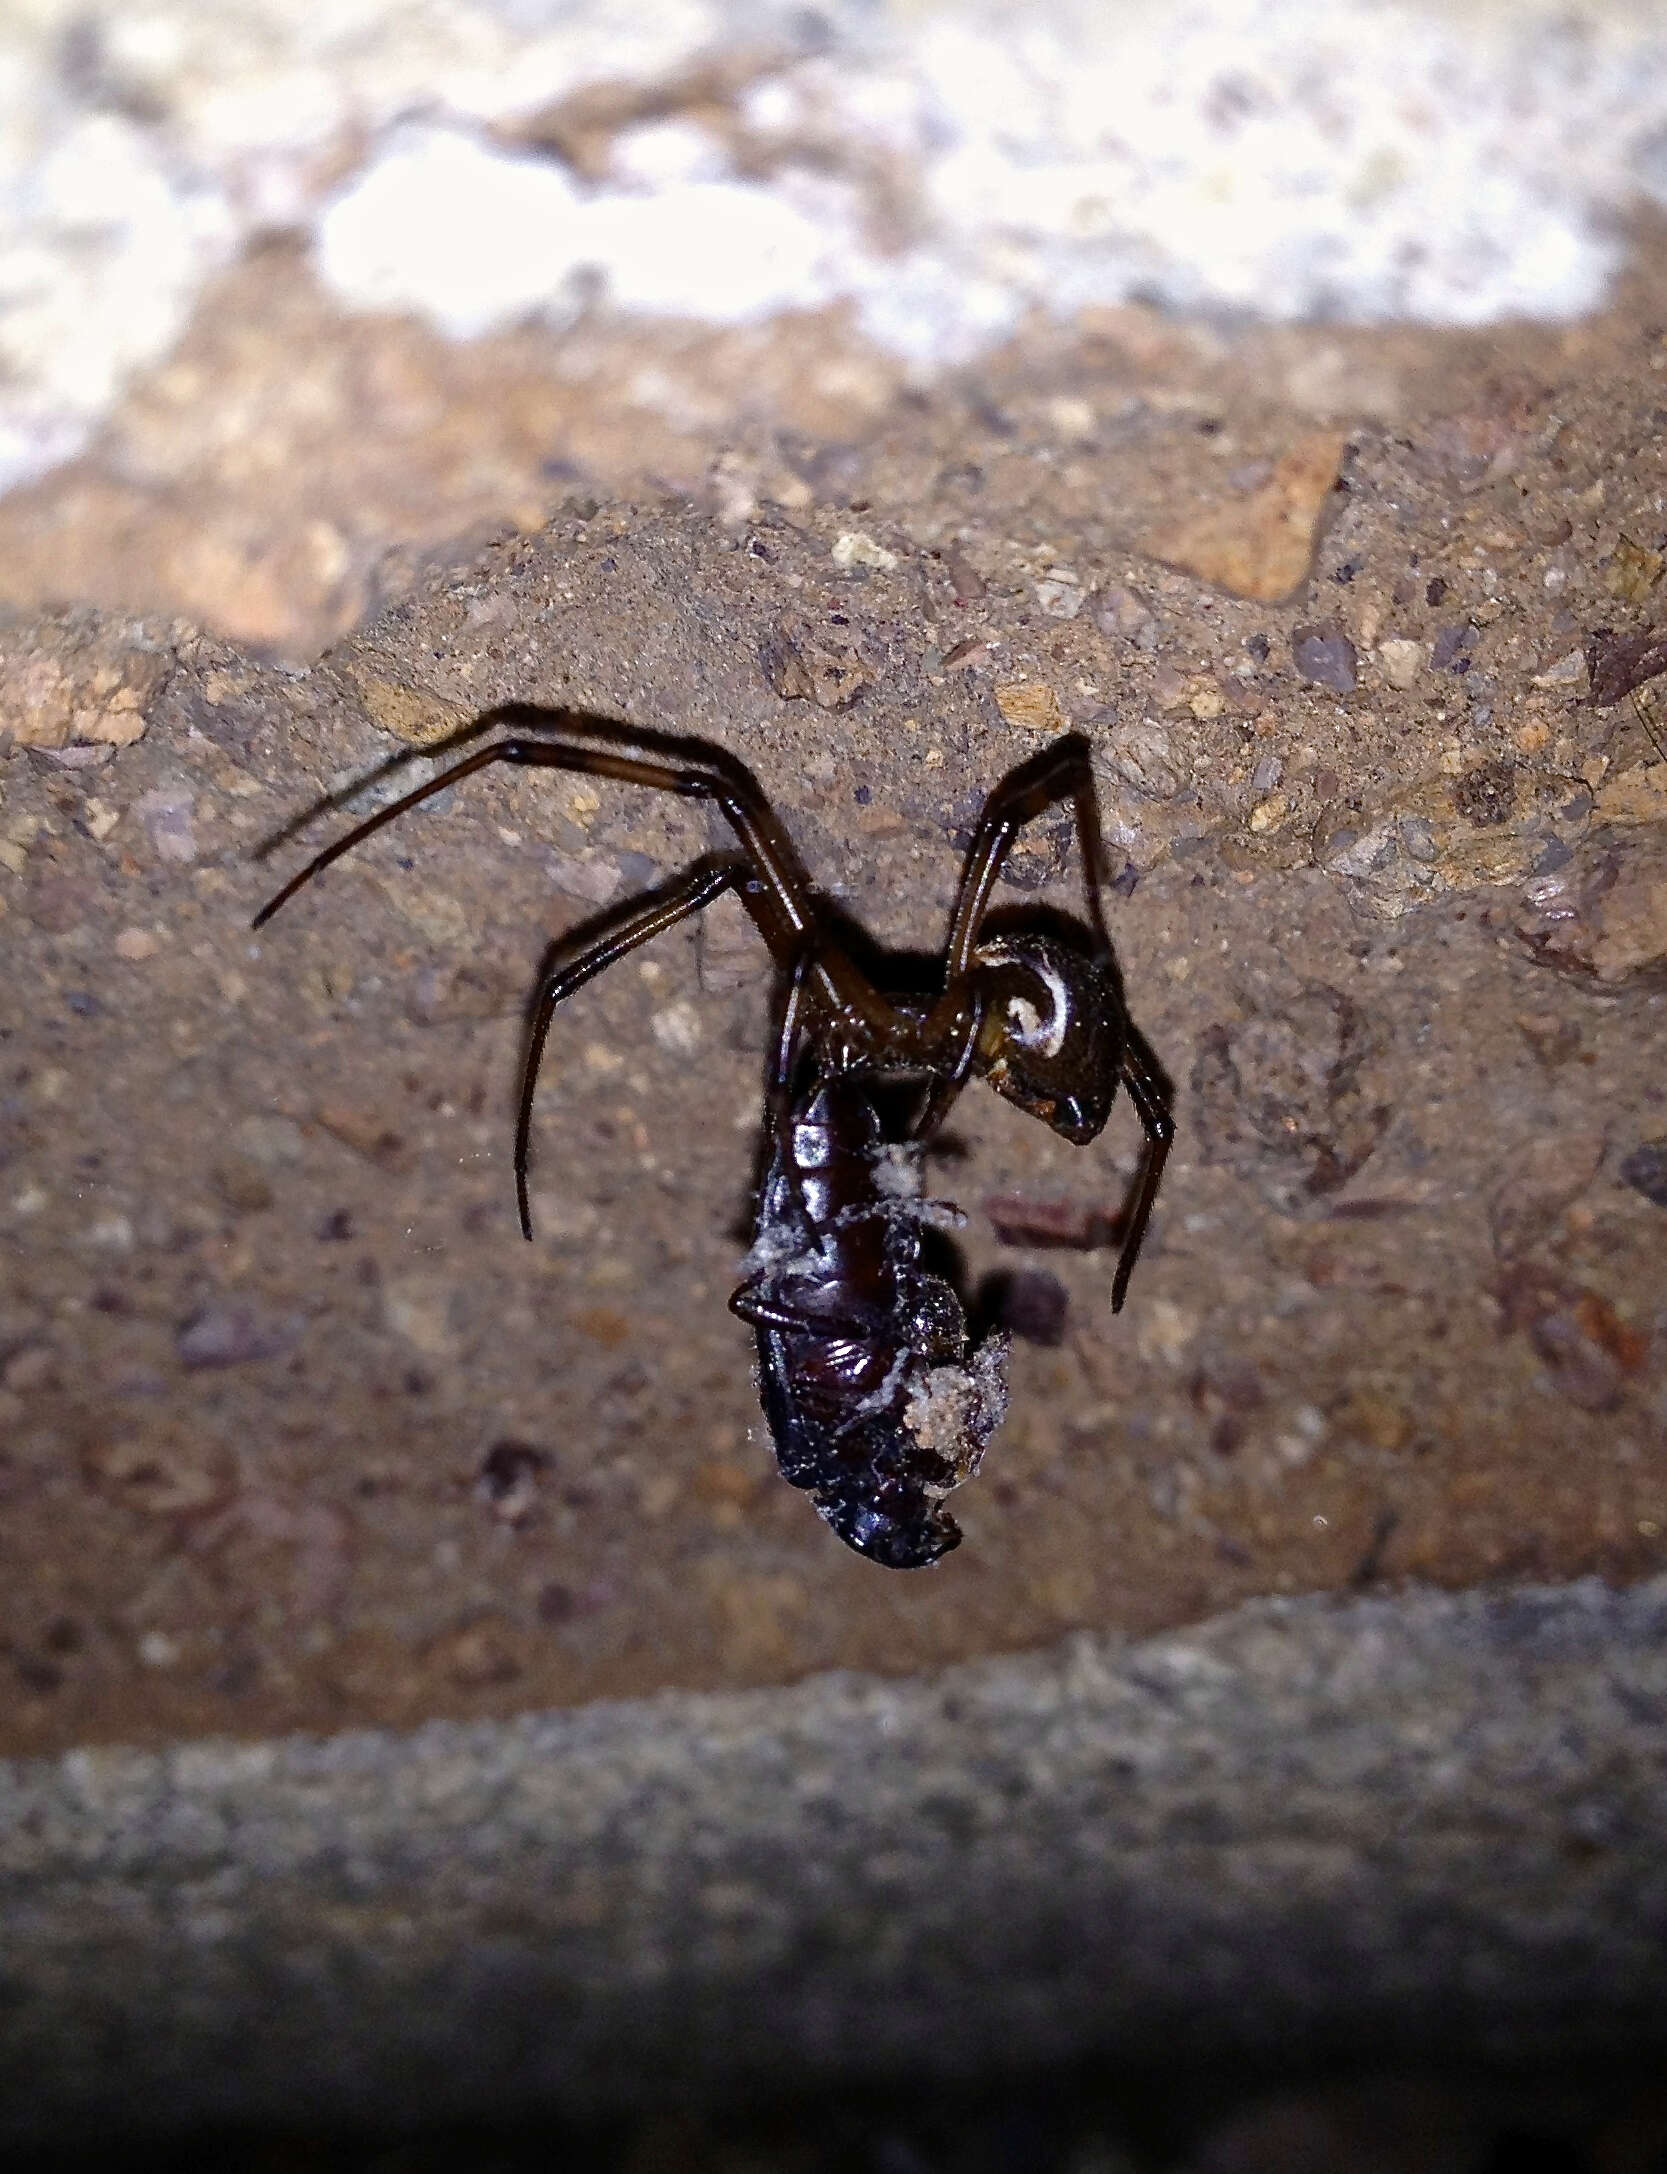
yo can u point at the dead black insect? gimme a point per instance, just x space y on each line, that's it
878 1401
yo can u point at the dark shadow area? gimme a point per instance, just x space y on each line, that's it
1588 2120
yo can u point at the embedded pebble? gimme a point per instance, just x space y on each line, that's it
1144 755
1324 656
273 1142
1059 593
167 815
678 1028
801 662
367 1133
57 904
591 878
1031 705
419 1309
226 1334
242 1184
1262 546
966 580
1169 688
855 549
1127 616
1637 795
1451 649
1633 571
67 678
478 1656
1402 660
134 944
1645 1170
1568 671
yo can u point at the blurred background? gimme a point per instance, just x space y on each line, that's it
287 291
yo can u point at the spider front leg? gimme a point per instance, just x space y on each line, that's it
1052 1033
1152 1096
1062 771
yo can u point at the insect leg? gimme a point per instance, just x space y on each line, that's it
1151 1094
573 960
778 1103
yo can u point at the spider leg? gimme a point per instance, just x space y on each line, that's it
1150 1092
783 906
567 968
1061 771
780 899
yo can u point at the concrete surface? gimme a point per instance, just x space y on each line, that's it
1433 1827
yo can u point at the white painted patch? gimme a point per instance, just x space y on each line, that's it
942 168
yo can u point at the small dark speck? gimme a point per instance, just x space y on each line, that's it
1450 651
839 618
1257 646
610 565
337 1225
416 1382
1123 883
1346 572
1436 593
1209 426
83 1003
863 796
758 551
1645 1170
405 862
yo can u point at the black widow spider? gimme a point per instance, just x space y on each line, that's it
877 1401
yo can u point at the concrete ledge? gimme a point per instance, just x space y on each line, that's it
1427 1825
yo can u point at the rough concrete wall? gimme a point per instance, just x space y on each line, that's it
299 1433
1429 1827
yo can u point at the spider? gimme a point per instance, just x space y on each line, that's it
878 1400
